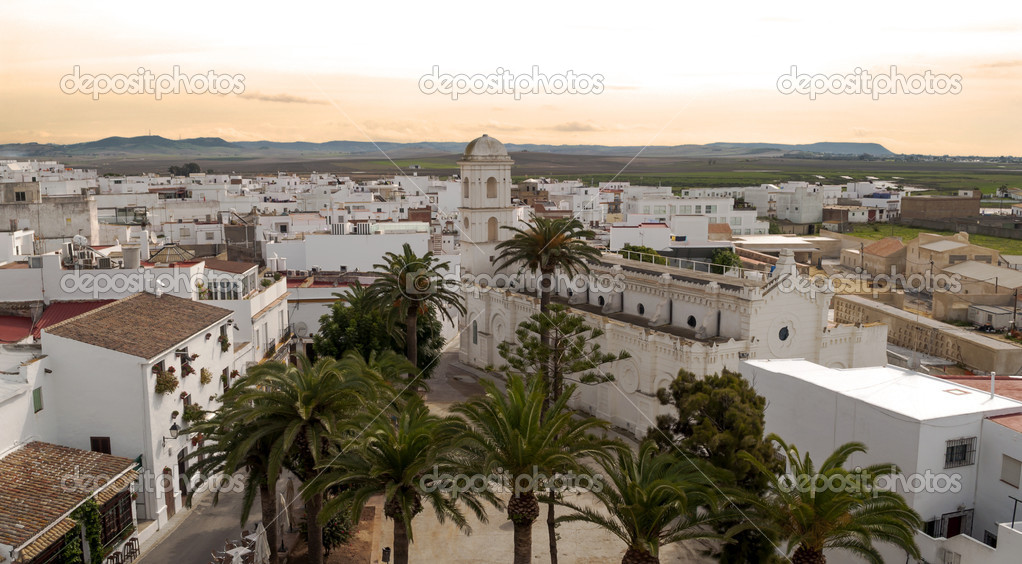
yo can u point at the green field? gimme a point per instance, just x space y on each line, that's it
879 231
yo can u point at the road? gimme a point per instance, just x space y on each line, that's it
202 531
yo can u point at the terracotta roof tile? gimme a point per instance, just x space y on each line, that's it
39 486
884 247
141 325
62 311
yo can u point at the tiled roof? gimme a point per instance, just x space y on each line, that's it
62 311
39 486
1013 421
234 267
884 247
14 328
142 325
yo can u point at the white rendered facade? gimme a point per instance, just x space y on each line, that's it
669 319
485 203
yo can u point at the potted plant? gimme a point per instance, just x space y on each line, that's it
175 414
194 356
186 369
224 343
166 382
235 373
184 395
172 370
205 376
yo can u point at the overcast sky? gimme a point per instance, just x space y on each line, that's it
671 72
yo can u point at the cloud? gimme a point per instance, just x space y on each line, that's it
575 127
283 98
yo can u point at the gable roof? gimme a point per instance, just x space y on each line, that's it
34 492
142 325
884 247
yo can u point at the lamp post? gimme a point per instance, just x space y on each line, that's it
175 431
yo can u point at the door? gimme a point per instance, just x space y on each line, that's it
168 492
182 470
954 526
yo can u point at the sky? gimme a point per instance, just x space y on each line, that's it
657 73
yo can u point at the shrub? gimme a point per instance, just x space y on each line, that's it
166 382
205 376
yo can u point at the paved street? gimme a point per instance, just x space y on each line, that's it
202 531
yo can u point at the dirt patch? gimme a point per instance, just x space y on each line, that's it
357 551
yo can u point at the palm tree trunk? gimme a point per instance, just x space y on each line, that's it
313 507
522 510
639 556
268 502
551 527
412 336
523 543
400 541
805 555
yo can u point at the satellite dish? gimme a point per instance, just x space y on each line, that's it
80 240
301 329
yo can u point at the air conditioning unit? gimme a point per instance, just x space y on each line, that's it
105 262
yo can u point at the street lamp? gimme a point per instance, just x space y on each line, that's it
174 432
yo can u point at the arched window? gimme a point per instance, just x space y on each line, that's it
642 309
475 333
491 187
464 189
491 229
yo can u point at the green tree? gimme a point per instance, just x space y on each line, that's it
810 515
573 354
409 286
545 246
572 351
226 450
300 409
642 253
724 259
508 432
356 323
396 456
651 500
715 418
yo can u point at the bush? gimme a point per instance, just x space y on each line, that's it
205 376
166 382
337 532
193 413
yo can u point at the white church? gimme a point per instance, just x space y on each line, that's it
667 318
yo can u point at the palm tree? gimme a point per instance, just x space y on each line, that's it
834 508
509 433
410 285
397 456
226 451
299 410
651 500
545 246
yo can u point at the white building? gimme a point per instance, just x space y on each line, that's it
670 318
485 202
105 366
927 427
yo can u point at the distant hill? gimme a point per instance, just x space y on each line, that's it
154 145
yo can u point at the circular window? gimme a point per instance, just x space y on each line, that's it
783 333
601 300
642 309
691 321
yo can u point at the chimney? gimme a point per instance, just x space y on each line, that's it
993 384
